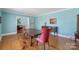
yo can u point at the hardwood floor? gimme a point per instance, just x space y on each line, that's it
19 42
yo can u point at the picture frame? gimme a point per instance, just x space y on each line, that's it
53 21
19 20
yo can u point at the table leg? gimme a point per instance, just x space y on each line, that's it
75 39
31 40
37 43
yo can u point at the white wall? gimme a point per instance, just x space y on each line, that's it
32 22
25 22
29 22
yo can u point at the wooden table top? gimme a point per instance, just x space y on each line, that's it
33 32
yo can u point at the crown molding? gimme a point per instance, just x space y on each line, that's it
54 12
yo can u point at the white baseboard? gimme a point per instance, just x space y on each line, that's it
0 38
9 34
70 37
65 36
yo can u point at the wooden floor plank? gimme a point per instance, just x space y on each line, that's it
19 42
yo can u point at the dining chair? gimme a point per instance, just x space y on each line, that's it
43 38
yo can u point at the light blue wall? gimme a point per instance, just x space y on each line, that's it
0 25
0 13
9 22
66 21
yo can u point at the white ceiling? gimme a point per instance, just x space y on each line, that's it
32 11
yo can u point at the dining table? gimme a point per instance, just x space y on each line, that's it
32 33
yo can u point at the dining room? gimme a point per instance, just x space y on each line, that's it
38 29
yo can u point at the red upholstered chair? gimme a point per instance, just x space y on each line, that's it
43 38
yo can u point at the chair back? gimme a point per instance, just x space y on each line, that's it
44 35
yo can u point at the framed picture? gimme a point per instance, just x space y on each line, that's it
19 20
53 21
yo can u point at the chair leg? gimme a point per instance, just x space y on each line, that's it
48 43
75 39
30 41
44 46
24 35
37 43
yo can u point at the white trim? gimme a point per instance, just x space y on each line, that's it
8 34
70 37
65 36
54 12
0 38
